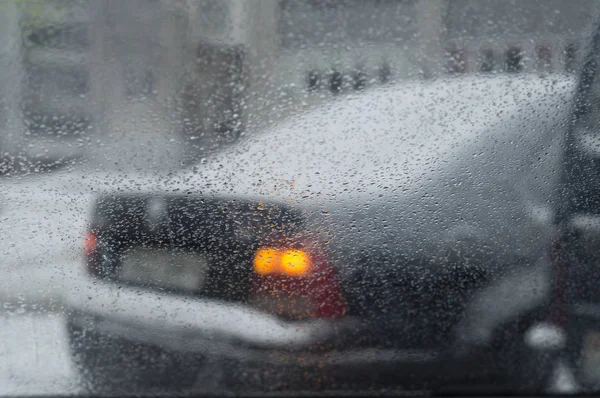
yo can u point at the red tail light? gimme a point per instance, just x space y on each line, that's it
296 282
90 245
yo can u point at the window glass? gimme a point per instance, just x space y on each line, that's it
250 197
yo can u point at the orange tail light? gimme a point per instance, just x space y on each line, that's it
296 283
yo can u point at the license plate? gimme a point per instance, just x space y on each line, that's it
590 358
165 268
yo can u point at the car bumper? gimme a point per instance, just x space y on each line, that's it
235 333
582 323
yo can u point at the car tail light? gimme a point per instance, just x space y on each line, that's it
90 246
288 262
296 282
89 243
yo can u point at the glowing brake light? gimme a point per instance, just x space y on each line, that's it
295 263
290 262
267 261
296 283
89 243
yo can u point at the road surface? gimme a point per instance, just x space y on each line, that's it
34 357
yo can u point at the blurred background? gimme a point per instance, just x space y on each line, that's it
82 79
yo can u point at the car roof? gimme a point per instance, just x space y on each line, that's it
395 134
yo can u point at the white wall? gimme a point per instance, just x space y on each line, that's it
11 121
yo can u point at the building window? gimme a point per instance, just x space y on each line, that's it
571 50
66 36
316 23
544 58
57 80
139 82
359 79
457 61
384 72
313 80
514 60
336 81
486 61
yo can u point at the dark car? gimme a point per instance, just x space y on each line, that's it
574 257
388 239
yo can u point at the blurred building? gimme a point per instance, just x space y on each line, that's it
327 48
181 78
543 36
322 49
46 80
11 81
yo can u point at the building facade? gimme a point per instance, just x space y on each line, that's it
182 78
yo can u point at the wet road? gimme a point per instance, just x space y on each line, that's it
34 356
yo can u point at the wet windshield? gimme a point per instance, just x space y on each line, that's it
265 196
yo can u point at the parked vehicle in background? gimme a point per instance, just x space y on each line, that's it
574 257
